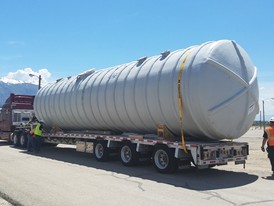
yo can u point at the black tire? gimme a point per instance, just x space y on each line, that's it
16 142
101 151
128 154
11 136
23 140
164 160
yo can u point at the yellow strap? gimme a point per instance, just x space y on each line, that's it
180 102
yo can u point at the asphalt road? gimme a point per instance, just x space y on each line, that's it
62 176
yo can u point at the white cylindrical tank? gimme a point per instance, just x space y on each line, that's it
218 87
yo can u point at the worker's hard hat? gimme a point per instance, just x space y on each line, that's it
271 119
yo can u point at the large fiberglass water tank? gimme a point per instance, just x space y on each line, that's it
218 85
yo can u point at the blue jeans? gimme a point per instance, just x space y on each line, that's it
37 144
30 144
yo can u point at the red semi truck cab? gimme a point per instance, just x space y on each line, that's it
17 110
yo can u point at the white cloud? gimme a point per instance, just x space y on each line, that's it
22 76
17 43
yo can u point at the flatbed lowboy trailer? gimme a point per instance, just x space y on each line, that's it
166 155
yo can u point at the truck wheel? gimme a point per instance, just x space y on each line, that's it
100 151
164 160
128 154
23 140
11 138
16 142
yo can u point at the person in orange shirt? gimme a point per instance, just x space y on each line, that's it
268 138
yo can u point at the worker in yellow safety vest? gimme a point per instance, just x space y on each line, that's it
38 136
268 138
30 142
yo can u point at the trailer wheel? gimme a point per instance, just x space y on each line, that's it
16 141
128 154
23 140
164 160
101 151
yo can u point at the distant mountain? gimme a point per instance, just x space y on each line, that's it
21 88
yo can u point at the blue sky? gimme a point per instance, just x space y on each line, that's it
66 37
